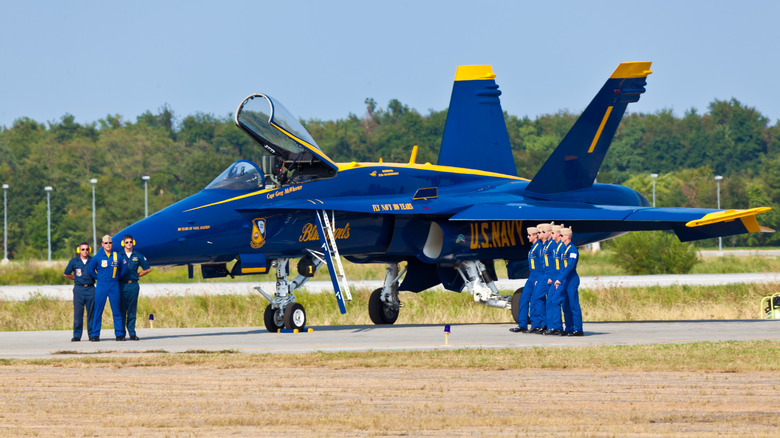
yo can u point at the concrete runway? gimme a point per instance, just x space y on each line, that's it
56 344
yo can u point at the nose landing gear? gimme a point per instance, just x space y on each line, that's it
283 311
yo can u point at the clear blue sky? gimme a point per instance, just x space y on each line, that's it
324 58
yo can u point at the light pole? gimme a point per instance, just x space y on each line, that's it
146 197
654 176
48 218
5 223
720 239
93 181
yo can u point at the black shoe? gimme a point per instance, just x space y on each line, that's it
120 338
535 330
553 332
134 338
75 339
518 330
94 339
576 333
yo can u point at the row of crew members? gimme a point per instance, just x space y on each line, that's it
117 282
552 285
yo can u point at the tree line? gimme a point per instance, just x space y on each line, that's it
181 156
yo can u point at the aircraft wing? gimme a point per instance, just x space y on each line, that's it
687 223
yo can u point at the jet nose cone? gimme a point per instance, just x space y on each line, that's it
152 238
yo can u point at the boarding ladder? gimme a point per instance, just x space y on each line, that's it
331 251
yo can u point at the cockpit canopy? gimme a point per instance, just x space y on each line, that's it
295 156
241 175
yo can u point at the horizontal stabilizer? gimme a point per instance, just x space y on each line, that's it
576 161
687 223
748 215
475 135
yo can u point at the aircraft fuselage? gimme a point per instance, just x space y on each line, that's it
377 218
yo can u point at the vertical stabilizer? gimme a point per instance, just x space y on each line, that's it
576 161
475 135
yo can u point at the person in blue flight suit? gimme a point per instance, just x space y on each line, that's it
539 296
554 296
569 281
107 266
128 285
534 257
83 291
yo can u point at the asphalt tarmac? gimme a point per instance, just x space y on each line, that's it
56 344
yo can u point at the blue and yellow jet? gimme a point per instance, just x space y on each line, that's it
448 222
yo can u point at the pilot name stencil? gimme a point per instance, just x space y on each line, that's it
283 192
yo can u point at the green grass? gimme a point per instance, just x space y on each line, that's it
739 301
591 264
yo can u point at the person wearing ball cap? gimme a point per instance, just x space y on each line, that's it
539 296
569 282
534 268
106 267
554 297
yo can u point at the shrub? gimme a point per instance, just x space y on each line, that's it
652 252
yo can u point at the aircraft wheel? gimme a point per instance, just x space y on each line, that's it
274 319
294 316
379 312
516 304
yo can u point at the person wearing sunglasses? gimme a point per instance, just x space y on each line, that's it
534 272
128 284
569 282
83 291
107 267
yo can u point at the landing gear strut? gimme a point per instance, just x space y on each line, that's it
481 285
283 311
384 305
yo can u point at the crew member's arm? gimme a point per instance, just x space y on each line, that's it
92 267
145 268
69 271
571 257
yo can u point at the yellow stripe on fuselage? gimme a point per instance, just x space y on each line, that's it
429 167
346 167
234 199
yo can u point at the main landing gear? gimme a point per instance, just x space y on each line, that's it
481 285
384 305
283 311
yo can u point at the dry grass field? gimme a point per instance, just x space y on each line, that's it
728 389
213 401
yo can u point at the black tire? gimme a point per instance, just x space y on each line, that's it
273 321
379 312
516 304
294 317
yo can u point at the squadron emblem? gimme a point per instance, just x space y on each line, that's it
258 233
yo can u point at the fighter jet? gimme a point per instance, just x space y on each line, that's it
446 223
